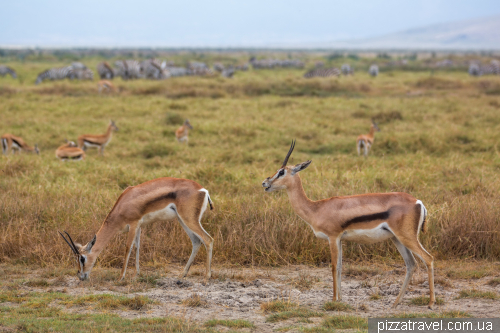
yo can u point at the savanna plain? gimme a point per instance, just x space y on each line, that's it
440 131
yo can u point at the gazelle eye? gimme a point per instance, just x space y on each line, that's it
281 173
82 260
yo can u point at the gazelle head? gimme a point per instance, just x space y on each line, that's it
70 143
84 257
375 126
187 124
284 176
113 126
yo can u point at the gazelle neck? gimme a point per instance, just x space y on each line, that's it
372 131
109 132
104 236
301 204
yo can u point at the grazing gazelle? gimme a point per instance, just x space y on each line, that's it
16 144
365 218
97 141
160 199
182 132
105 85
69 151
365 141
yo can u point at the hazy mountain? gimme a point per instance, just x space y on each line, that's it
483 33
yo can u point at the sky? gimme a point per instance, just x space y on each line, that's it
221 23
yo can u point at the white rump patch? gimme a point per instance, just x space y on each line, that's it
380 233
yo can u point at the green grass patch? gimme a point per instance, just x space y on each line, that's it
445 314
424 300
468 274
150 279
337 306
231 323
111 302
345 322
54 320
277 306
37 283
474 293
299 312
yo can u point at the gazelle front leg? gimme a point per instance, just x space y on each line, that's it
130 244
137 247
335 261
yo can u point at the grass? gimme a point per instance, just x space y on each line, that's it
345 322
299 312
440 146
424 300
277 306
231 323
195 301
111 302
30 320
337 306
444 314
473 293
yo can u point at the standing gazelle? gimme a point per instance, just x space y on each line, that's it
365 141
69 151
365 218
97 141
160 199
182 132
16 144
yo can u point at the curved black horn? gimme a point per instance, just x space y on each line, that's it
289 153
72 248
71 240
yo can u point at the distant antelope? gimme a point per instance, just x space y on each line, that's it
365 218
365 141
97 141
16 144
69 151
105 85
157 200
182 132
373 70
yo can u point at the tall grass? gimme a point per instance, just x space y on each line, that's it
439 146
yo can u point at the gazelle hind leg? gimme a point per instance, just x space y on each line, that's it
137 247
428 259
196 242
410 268
130 244
365 146
358 147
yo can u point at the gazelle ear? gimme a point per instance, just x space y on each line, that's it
89 246
300 167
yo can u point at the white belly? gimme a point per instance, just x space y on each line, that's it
368 236
15 146
167 213
88 144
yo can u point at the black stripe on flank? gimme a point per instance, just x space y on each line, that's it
169 195
17 143
366 218
93 143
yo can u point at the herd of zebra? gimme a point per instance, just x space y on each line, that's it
346 69
159 70
477 69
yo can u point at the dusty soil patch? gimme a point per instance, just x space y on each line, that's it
238 293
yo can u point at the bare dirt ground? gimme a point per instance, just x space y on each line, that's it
237 293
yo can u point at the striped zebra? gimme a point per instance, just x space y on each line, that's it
322 72
373 70
154 69
199 68
105 71
347 69
4 70
493 68
128 69
78 66
84 74
59 73
177 71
